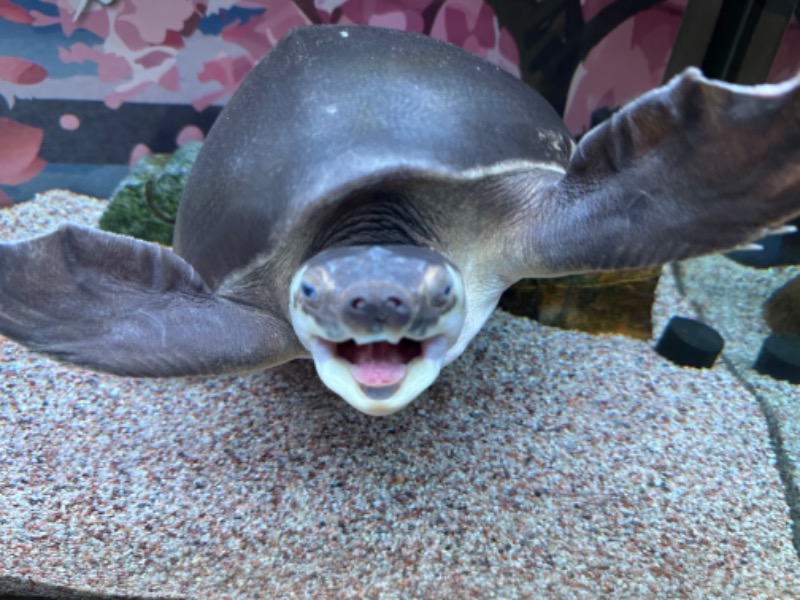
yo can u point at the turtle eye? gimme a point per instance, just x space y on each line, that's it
441 288
308 290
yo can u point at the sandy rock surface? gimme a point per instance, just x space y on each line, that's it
543 463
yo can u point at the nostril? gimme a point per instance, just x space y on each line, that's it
377 307
396 307
394 302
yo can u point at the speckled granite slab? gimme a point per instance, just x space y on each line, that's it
730 298
543 463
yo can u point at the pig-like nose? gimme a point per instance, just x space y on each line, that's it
371 308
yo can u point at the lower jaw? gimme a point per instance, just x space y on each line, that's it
380 393
378 401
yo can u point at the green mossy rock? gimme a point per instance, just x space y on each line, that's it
609 302
128 212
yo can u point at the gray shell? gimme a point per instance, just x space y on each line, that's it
331 109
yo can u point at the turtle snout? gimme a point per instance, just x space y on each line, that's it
373 307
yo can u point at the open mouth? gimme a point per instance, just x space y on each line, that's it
380 368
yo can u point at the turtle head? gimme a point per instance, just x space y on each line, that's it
378 321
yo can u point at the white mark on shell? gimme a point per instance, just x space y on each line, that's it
552 139
344 34
332 109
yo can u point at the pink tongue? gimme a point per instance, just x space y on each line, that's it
378 374
377 365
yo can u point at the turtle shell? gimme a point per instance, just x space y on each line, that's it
331 109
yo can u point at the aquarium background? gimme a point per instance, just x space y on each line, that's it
545 462
84 95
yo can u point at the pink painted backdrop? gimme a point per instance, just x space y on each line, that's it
168 52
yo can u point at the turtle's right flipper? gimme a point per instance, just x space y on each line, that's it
129 307
694 167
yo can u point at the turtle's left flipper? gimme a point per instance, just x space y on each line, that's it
691 168
129 307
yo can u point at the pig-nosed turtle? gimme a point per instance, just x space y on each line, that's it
368 194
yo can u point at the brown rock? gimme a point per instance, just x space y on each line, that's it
782 310
608 302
